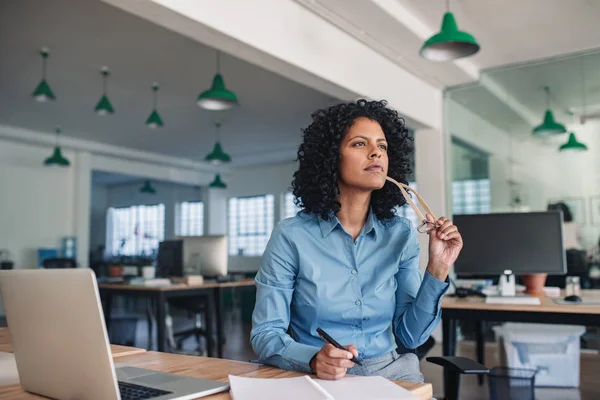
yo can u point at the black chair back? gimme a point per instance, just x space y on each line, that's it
60 263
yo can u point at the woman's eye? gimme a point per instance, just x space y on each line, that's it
359 143
383 147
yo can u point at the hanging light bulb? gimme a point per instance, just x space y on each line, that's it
549 127
218 97
217 183
154 120
42 92
57 158
104 107
217 156
449 43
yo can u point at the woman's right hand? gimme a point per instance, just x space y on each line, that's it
331 363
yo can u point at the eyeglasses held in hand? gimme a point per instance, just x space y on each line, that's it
425 226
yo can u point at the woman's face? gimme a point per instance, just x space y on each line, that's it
363 156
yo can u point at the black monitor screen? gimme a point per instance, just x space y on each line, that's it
170 258
525 243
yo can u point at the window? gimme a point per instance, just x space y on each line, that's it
190 219
289 208
471 196
471 192
250 224
135 230
407 211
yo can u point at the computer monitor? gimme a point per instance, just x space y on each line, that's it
205 255
170 258
525 243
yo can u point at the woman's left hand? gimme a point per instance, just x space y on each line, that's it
445 244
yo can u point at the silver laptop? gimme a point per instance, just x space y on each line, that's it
61 347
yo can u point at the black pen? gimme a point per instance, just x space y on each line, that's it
331 341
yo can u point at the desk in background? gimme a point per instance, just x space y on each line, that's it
160 294
475 309
208 368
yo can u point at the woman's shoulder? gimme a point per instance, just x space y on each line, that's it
395 223
300 220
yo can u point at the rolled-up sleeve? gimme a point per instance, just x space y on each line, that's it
275 283
418 300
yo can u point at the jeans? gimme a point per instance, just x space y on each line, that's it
391 365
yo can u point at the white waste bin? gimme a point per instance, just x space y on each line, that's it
551 349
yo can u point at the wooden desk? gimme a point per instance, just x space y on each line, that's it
117 351
208 368
548 312
159 296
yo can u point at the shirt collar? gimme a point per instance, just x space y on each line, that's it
327 226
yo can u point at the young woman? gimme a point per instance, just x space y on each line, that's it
346 263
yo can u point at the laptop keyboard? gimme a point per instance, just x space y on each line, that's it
129 391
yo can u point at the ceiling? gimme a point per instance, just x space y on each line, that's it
109 178
525 45
84 35
573 80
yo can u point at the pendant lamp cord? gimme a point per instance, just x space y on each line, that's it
447 5
583 85
155 89
44 58
218 62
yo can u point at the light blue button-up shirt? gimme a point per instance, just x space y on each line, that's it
313 274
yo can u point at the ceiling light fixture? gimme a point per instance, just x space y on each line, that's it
42 92
104 107
217 156
217 183
218 97
57 158
154 120
449 43
549 127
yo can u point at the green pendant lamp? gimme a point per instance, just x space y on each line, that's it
147 188
154 120
217 156
217 183
104 107
57 158
449 43
549 127
42 92
573 145
218 97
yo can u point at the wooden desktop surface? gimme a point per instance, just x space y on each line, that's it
117 351
219 369
177 286
200 367
547 304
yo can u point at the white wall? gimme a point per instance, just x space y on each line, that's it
36 202
541 171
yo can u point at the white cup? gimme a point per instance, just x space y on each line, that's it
148 271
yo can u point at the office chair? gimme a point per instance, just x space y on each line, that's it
60 263
454 367
199 308
577 265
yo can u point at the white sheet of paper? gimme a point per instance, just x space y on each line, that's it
354 387
300 388
8 369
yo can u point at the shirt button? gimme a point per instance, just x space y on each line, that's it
357 302
354 272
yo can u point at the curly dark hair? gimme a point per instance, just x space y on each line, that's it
315 184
